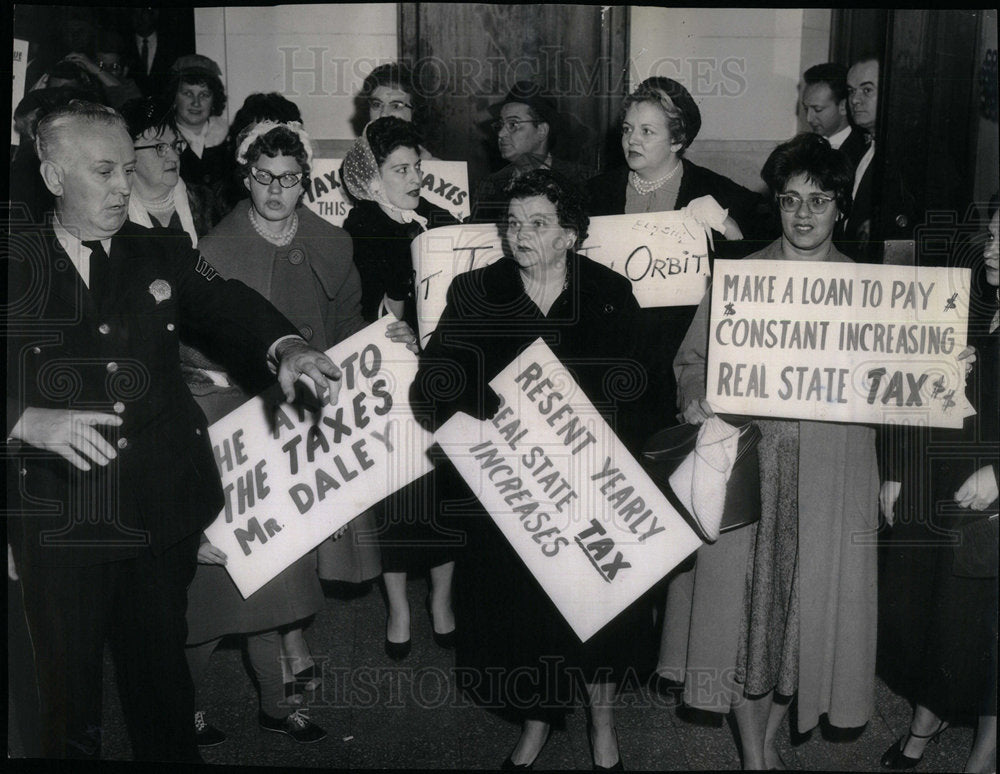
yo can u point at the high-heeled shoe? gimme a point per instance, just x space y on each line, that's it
509 765
397 651
894 758
446 640
618 765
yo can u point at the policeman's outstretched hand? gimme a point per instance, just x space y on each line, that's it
295 359
70 434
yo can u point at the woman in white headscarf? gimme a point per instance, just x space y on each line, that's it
382 171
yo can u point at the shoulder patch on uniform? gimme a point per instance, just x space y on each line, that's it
205 269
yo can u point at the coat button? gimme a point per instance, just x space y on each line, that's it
104 329
608 309
296 256
197 431
122 443
112 367
23 471
306 331
902 221
36 350
170 326
119 407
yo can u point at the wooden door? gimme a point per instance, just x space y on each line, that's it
467 56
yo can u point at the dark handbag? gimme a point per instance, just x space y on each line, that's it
666 449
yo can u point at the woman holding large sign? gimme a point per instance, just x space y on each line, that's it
382 172
303 266
787 606
509 631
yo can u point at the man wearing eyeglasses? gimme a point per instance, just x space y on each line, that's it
108 67
528 125
111 477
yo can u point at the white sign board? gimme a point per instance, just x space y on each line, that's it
19 71
582 514
839 342
664 254
445 183
293 477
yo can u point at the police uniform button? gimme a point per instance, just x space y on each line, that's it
104 329
902 221
197 431
36 350
23 472
122 443
608 309
170 326
119 407
112 367
306 331
296 256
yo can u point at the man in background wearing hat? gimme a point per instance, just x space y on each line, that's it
528 125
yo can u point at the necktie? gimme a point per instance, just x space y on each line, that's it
144 53
100 269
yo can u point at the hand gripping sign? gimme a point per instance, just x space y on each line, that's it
581 513
839 342
664 254
293 477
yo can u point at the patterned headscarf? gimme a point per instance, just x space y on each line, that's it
360 171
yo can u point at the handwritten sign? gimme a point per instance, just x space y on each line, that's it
839 342
664 254
581 513
445 183
292 477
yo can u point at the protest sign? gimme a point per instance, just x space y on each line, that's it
582 514
293 477
445 183
839 342
664 254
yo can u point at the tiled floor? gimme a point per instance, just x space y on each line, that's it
408 715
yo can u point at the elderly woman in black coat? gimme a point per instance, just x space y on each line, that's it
507 626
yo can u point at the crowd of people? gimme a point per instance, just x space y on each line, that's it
134 176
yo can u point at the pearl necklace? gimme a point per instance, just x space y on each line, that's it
156 205
644 188
278 240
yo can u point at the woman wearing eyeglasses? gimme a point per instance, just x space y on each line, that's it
303 265
528 126
159 196
390 91
786 606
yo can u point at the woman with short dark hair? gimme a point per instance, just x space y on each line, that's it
786 606
508 628
382 172
159 196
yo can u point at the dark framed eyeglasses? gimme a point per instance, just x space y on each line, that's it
161 148
817 203
376 105
511 124
287 180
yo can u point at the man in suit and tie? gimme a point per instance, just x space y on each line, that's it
110 473
884 207
824 99
151 52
